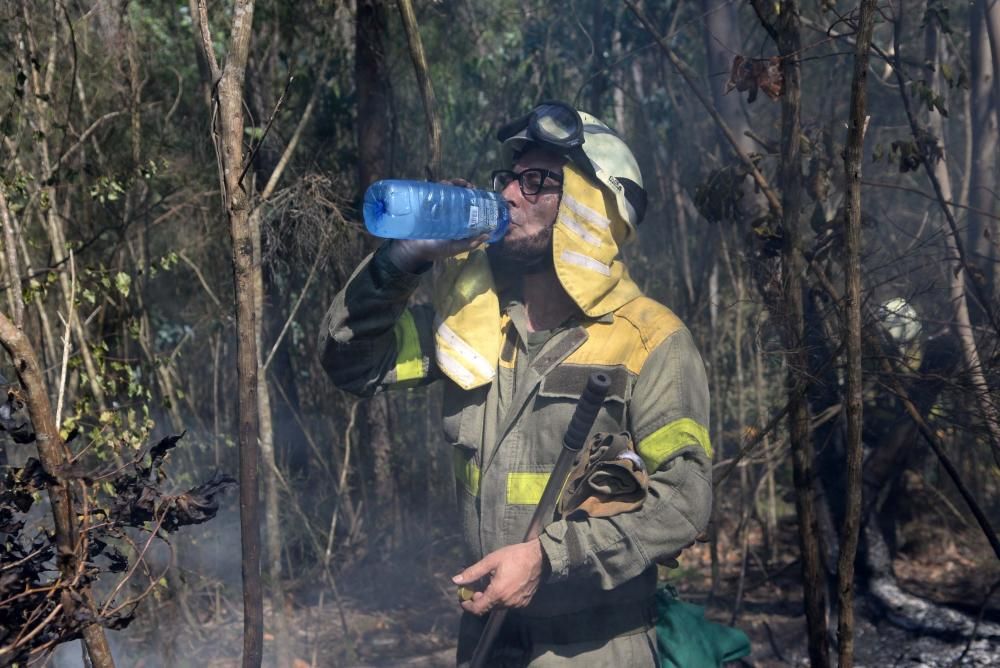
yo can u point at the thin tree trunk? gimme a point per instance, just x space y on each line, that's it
957 276
272 518
618 92
373 139
747 506
772 500
852 333
228 85
371 75
48 344
983 174
14 296
991 14
786 33
716 419
272 514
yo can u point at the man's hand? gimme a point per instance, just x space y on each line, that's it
515 572
410 255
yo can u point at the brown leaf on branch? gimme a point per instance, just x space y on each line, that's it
769 77
747 76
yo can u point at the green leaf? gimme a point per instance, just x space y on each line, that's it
123 282
948 73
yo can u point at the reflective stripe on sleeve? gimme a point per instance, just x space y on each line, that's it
668 439
409 361
525 488
471 359
454 369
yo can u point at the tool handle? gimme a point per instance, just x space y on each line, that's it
590 402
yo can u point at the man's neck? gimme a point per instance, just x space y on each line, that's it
546 303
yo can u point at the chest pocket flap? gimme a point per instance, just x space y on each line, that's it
567 382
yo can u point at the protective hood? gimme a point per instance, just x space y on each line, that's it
605 158
585 246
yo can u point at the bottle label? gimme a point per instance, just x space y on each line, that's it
483 217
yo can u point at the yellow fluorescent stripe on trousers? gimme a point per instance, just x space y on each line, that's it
409 361
466 472
668 439
525 488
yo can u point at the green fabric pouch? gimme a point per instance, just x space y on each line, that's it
685 639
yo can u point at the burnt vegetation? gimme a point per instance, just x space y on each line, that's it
127 508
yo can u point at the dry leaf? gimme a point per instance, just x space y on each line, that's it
750 75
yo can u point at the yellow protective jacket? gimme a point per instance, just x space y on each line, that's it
507 433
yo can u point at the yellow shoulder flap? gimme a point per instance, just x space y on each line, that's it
653 321
467 326
635 330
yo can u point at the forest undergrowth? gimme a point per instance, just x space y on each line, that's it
398 607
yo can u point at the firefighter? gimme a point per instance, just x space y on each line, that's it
513 330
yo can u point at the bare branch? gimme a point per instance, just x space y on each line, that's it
298 302
424 82
915 191
206 43
286 155
79 142
267 129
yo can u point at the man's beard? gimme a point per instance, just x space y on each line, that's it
527 255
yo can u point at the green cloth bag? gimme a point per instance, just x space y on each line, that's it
685 639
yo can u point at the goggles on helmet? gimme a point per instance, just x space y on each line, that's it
552 123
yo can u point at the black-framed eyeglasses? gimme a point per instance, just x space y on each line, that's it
531 181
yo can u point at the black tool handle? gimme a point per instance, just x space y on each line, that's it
579 428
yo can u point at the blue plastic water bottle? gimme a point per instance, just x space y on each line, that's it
396 209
